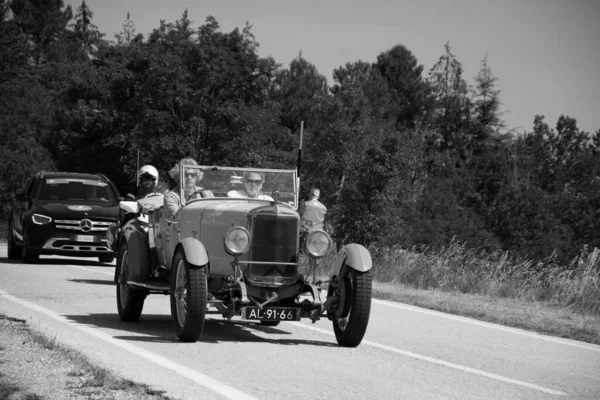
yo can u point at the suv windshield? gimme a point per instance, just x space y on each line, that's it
251 183
72 189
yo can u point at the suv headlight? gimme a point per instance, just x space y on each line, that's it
237 241
318 243
40 219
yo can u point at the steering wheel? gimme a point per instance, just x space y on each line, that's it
153 194
200 192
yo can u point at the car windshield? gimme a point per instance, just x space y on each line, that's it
72 189
247 183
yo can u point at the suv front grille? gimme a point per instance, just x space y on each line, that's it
81 226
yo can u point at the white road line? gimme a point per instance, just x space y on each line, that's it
92 270
442 362
201 379
534 335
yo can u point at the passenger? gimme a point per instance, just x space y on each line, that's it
313 210
192 177
253 182
149 182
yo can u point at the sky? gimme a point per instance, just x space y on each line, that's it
544 53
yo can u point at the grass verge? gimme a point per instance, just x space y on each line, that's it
38 367
540 317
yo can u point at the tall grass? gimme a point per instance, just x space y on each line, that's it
455 268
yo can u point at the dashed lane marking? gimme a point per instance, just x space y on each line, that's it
485 324
443 363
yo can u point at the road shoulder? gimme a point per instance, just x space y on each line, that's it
34 366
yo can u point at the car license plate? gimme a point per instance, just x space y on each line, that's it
271 313
84 238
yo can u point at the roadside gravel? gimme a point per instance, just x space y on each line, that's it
33 366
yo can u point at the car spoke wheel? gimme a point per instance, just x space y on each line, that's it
27 254
130 302
354 307
13 249
189 290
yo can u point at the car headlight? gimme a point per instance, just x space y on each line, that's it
40 219
318 243
237 240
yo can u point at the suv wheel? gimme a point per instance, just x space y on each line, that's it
107 258
14 250
28 255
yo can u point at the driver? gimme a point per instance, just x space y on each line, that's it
192 178
253 182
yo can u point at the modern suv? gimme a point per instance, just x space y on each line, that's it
63 213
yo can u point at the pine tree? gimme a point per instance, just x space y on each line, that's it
85 31
451 110
127 34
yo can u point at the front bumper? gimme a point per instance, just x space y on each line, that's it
62 238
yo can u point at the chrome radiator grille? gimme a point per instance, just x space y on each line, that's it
274 238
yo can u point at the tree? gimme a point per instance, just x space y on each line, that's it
299 92
45 23
127 34
451 109
189 93
368 78
26 110
15 51
86 32
485 101
411 97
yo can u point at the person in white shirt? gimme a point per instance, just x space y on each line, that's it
253 182
313 210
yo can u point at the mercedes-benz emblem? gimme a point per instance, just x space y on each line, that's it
86 225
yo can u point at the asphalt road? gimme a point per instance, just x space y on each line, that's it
407 353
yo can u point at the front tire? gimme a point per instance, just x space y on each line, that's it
130 302
189 291
108 258
270 323
13 249
28 255
351 317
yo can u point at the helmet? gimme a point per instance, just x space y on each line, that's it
148 170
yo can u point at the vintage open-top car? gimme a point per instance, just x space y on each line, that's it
239 257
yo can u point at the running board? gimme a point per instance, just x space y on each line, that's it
160 286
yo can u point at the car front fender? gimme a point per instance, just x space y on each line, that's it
139 255
194 250
355 256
